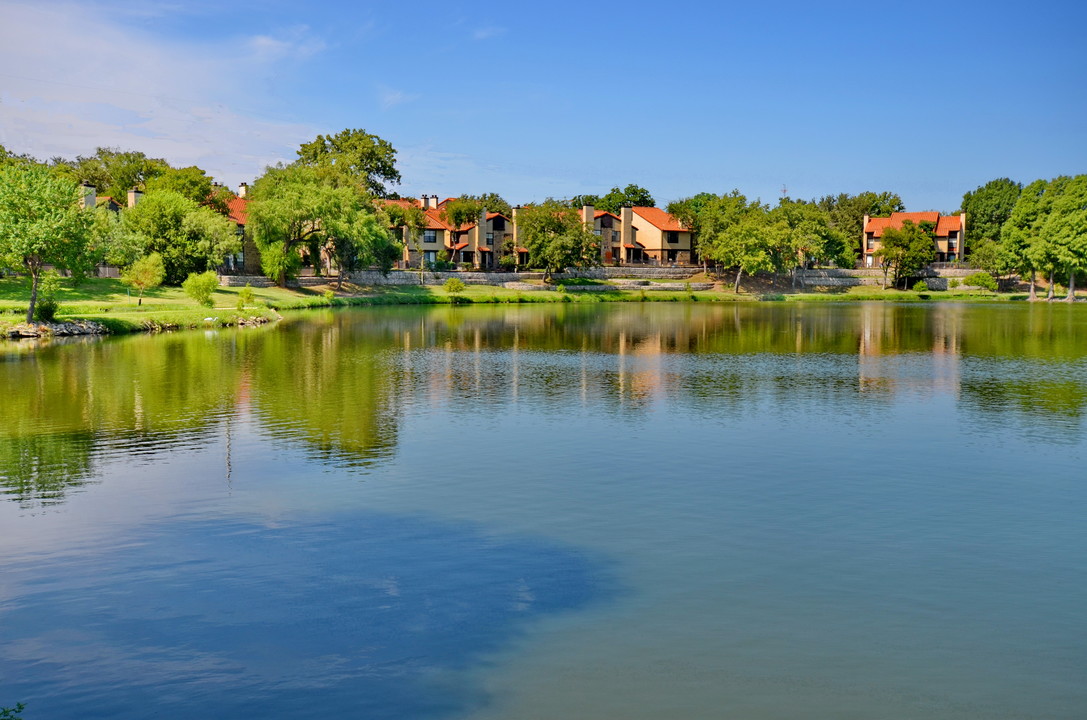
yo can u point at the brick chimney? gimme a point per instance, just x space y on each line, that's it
134 196
243 190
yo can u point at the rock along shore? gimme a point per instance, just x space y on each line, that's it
63 329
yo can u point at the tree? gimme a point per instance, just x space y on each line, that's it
905 250
41 223
460 212
113 171
194 184
847 212
412 221
1066 228
190 238
492 202
988 207
556 238
357 154
1022 239
294 205
615 199
9 158
144 274
808 237
713 217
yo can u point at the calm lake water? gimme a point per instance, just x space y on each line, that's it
608 512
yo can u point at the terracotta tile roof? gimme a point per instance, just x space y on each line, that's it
238 210
460 246
602 213
876 226
659 219
484 248
947 224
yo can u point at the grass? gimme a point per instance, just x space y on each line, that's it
109 302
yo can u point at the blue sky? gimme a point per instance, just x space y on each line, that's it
927 99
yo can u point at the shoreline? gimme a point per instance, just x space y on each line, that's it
119 317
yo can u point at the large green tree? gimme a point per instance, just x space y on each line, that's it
458 213
113 171
809 237
1026 248
411 221
42 222
1066 228
189 237
357 154
493 202
556 238
296 205
988 207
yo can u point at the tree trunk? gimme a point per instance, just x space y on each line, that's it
739 274
1033 287
34 275
1071 297
1049 292
139 299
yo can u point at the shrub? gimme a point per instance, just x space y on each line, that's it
328 295
454 286
982 280
953 283
48 287
508 262
920 286
145 274
200 286
245 296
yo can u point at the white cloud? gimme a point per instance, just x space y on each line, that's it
488 32
72 79
389 98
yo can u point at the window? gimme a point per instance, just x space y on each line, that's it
871 243
673 236
490 238
430 256
498 224
598 232
605 221
430 236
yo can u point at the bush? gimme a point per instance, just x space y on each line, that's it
200 286
48 287
245 296
329 295
953 283
920 286
982 280
454 286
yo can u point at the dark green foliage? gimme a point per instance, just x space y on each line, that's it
12 713
615 199
988 207
46 308
363 158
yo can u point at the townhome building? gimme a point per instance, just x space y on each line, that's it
948 234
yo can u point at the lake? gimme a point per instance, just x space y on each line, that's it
656 510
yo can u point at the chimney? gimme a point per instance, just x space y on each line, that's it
89 199
587 213
433 202
134 196
243 190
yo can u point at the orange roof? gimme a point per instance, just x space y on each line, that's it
602 213
460 246
876 226
660 219
237 210
948 224
484 248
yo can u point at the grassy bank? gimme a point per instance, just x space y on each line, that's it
109 302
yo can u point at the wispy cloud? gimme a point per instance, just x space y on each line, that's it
72 79
388 97
487 33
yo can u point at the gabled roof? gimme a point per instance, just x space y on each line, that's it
660 219
433 217
943 224
238 210
602 213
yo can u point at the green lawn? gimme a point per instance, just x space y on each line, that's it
110 302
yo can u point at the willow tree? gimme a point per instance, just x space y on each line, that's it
295 205
42 222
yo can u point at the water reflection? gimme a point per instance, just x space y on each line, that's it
362 615
337 384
